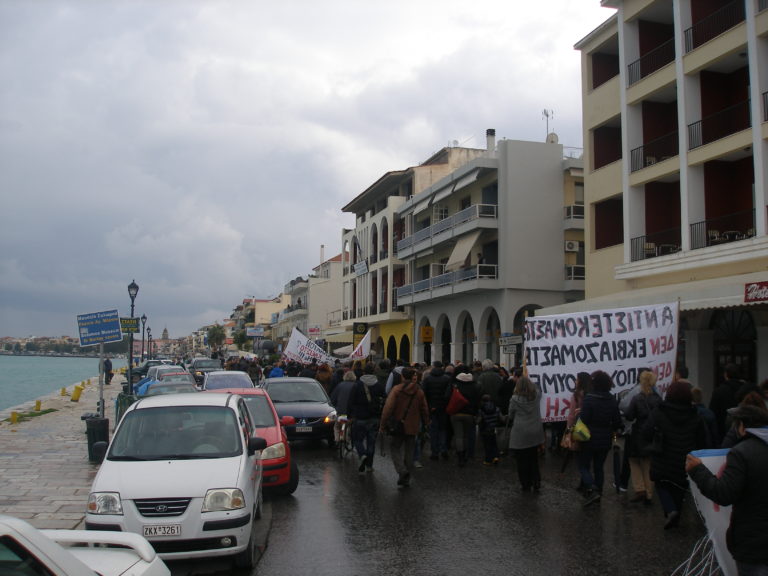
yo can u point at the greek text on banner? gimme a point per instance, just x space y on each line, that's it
617 341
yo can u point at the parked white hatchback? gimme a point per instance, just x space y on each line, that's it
184 471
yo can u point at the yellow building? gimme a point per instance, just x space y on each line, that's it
675 121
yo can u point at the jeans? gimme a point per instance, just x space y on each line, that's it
463 430
490 448
364 434
670 495
589 460
438 432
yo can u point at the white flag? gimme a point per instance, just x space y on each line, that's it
363 349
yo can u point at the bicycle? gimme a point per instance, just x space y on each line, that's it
344 440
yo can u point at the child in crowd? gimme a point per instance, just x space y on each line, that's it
489 417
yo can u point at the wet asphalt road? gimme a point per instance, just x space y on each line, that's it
451 520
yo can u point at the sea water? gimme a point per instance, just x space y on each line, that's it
25 378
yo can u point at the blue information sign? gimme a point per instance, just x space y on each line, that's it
99 328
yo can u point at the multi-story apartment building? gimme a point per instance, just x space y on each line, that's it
484 246
371 269
675 104
325 285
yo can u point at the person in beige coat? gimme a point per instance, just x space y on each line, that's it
407 403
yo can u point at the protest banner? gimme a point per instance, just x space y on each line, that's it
617 341
302 349
716 518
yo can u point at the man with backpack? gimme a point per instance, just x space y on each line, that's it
365 405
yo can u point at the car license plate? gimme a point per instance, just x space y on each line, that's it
303 428
162 530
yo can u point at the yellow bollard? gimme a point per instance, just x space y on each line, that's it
14 417
37 406
64 391
76 393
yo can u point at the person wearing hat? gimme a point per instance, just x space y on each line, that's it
463 421
742 485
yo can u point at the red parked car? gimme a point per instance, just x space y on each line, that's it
280 473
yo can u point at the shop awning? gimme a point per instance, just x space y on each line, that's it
339 337
725 292
461 250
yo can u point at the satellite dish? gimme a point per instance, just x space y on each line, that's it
552 138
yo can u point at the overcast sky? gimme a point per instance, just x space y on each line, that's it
205 149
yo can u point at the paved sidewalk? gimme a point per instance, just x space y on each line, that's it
45 474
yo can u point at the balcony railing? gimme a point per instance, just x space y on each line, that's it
657 58
574 211
719 125
723 229
480 271
470 213
714 25
654 151
575 272
655 244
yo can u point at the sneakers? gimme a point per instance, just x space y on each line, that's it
363 462
495 461
417 464
590 497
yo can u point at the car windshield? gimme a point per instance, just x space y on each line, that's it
292 391
228 380
261 412
206 364
176 378
177 433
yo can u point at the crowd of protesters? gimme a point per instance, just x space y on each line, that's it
500 412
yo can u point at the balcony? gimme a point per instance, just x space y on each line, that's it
654 151
719 125
480 214
573 217
655 244
293 311
650 62
765 102
723 229
574 277
449 283
715 24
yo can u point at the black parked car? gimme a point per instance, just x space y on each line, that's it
306 400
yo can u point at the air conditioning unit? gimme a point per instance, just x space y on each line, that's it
571 246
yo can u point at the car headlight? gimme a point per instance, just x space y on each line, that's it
330 418
274 451
220 499
105 503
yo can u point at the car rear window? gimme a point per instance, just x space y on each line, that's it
260 410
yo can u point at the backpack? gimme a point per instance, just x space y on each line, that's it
375 402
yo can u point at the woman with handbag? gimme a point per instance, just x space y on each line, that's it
527 432
600 413
403 415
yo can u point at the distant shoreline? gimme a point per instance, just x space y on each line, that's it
53 355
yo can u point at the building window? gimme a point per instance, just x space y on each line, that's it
609 223
466 202
578 188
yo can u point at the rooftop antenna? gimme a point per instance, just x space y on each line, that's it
547 114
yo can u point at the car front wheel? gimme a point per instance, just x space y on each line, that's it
249 557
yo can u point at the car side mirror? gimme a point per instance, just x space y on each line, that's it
256 443
287 421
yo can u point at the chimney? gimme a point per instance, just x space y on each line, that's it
322 253
490 138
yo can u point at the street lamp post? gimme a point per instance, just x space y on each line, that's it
143 322
149 343
133 290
